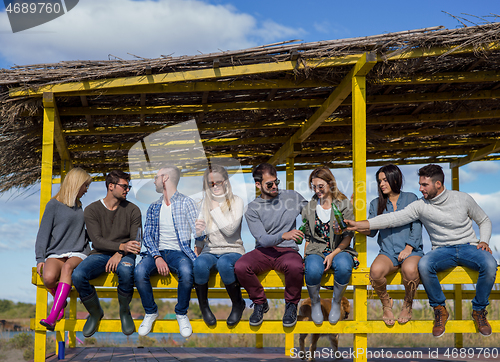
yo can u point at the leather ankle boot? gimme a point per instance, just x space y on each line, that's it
440 318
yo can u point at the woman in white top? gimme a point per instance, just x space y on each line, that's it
220 219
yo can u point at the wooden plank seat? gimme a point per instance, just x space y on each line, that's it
273 282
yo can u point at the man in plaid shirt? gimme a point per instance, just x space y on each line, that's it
170 222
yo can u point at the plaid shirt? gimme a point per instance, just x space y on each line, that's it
184 213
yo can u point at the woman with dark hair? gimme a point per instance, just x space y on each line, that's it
326 247
400 247
61 243
220 220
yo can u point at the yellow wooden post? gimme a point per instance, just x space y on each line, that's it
359 174
290 169
49 112
65 167
259 340
45 195
72 317
459 338
290 182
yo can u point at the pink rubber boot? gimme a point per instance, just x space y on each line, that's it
52 291
62 293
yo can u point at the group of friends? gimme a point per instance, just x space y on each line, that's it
113 225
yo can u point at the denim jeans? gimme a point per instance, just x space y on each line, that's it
95 265
447 257
342 265
179 264
223 263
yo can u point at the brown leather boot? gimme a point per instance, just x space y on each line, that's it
440 318
379 285
410 290
482 324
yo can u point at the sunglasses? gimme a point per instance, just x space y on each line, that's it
270 184
319 187
125 186
216 183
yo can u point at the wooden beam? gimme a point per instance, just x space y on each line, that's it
203 86
186 76
241 70
452 77
190 108
477 155
361 68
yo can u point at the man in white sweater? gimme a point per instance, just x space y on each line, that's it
447 216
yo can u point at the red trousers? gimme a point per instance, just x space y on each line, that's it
285 260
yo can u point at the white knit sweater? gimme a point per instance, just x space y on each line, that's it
224 232
447 218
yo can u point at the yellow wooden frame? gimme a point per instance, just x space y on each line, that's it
355 84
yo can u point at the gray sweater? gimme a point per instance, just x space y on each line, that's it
447 218
268 220
62 230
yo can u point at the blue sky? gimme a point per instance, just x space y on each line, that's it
102 29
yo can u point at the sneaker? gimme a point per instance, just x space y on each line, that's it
290 316
440 318
184 325
258 313
482 324
147 324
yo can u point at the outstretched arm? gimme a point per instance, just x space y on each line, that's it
359 226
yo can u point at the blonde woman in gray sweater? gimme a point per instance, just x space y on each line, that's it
220 220
61 244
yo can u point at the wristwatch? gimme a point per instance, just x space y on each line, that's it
121 252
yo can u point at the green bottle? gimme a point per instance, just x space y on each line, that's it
303 229
339 217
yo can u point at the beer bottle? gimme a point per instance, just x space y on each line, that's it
303 229
339 217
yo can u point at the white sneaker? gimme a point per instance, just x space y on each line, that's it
147 324
184 325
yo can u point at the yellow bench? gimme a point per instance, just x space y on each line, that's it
273 282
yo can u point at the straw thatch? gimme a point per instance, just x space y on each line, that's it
401 130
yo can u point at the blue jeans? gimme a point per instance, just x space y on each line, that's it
223 263
342 265
95 265
447 257
179 264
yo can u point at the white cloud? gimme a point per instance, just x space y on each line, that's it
490 167
94 29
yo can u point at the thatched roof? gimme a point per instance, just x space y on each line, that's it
431 97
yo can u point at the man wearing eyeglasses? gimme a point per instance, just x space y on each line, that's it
170 224
271 218
112 225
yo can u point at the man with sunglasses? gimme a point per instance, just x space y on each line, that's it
271 218
170 224
112 225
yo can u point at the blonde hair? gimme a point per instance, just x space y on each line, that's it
324 173
71 185
208 196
